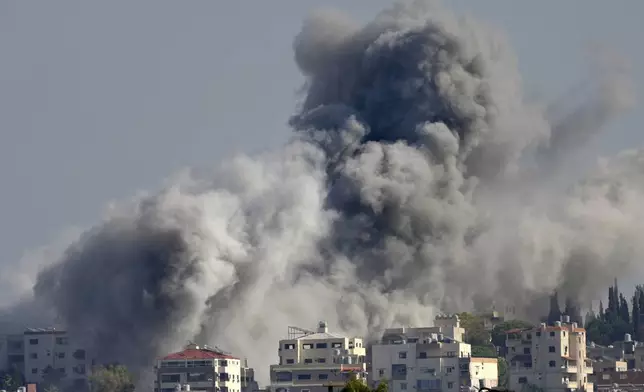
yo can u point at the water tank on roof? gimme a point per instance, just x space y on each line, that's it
186 387
323 327
558 323
627 337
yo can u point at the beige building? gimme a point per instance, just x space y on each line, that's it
203 369
312 361
430 358
552 358
605 364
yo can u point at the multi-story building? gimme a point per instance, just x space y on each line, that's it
313 361
51 356
552 358
45 355
629 381
430 358
607 364
203 369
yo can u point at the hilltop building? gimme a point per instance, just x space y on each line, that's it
552 358
313 361
203 369
430 358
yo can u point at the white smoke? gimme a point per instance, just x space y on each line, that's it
415 182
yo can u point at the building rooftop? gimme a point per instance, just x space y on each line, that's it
196 352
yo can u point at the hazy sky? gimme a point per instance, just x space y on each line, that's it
100 99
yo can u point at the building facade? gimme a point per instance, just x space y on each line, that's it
203 369
313 361
46 355
552 358
430 359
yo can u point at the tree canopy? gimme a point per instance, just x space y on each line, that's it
356 385
10 380
111 378
610 324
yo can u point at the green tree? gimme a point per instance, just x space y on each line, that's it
487 351
111 378
503 373
9 382
356 385
499 331
475 333
572 310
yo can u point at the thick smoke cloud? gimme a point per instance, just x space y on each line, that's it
415 182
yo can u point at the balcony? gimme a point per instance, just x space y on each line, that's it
569 368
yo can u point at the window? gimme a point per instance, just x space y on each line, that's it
79 354
552 334
307 346
449 369
290 361
323 376
381 372
197 377
523 380
223 363
403 386
303 376
336 345
451 354
552 363
60 355
526 350
306 390
170 378
33 355
61 341
283 376
551 349
289 346
527 365
61 370
422 355
33 342
308 360
320 345
450 385
320 360
529 336
402 354
538 334
34 370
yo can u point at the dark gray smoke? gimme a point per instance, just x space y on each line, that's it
414 183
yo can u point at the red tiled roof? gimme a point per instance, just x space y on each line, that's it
192 353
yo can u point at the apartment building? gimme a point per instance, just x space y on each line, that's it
313 361
50 354
629 381
430 359
201 369
552 358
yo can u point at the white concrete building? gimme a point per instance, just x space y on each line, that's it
430 359
552 358
12 352
313 361
204 369
51 353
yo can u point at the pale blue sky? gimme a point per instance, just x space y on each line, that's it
99 99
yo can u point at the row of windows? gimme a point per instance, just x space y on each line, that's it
78 354
63 341
401 369
196 363
423 354
288 376
198 377
310 346
427 383
80 369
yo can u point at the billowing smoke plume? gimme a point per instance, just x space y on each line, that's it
417 180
